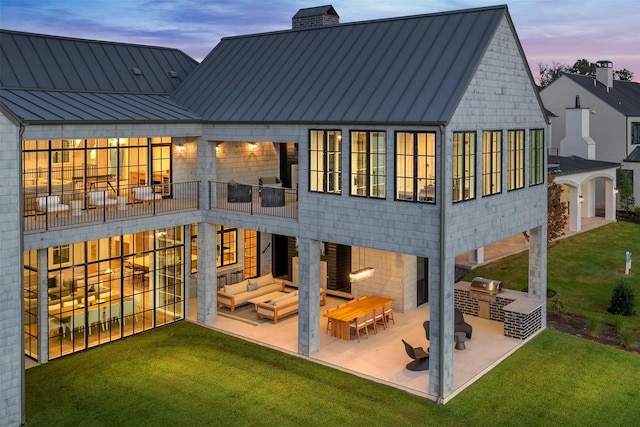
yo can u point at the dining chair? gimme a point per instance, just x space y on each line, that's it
329 320
371 321
359 324
388 313
362 297
94 318
343 305
378 317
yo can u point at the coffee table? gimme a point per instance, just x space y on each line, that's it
264 298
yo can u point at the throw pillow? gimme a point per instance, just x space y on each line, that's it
252 286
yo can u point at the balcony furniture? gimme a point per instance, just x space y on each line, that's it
122 202
272 197
238 193
420 358
269 181
145 195
100 199
50 204
76 207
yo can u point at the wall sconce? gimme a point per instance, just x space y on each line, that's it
218 144
180 148
615 191
253 146
362 274
580 199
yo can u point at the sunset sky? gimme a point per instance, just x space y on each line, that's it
549 30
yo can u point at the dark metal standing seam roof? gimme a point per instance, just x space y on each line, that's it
50 79
623 96
404 70
569 165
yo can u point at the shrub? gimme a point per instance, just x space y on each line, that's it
557 306
628 338
622 300
593 326
618 323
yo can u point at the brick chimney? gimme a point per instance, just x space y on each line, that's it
604 73
314 17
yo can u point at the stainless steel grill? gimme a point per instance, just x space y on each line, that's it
484 289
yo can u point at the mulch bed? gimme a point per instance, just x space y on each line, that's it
577 326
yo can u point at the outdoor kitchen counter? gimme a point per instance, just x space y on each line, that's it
521 315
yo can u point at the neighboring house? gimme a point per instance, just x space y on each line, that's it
612 109
400 143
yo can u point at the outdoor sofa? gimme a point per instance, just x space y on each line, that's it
240 293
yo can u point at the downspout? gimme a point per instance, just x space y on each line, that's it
440 399
23 414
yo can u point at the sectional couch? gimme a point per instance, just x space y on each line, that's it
283 306
240 293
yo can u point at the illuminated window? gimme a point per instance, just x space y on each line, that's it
515 159
536 157
325 161
416 166
368 164
491 162
464 166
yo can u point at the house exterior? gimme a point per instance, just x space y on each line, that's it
609 111
400 143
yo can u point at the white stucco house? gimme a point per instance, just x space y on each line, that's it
408 140
603 114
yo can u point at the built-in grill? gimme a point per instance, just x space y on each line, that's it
484 291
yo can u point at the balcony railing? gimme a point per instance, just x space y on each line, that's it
72 208
254 199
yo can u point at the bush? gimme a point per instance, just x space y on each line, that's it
622 300
593 326
628 338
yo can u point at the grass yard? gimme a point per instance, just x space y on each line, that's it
187 375
583 269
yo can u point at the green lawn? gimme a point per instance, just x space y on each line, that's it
187 375
583 269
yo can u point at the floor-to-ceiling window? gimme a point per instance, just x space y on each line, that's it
536 156
69 168
101 290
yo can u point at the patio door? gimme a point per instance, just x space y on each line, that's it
161 168
422 281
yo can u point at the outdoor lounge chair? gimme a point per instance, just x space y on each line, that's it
420 358
460 325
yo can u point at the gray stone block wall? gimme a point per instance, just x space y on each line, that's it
11 301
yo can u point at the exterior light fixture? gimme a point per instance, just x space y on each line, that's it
218 144
615 191
253 146
362 274
180 148
580 199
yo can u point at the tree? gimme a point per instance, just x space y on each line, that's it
625 187
548 74
556 210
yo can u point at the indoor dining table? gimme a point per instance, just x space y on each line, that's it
341 317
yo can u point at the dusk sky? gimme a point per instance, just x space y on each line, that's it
550 31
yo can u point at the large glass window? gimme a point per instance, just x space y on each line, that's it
635 133
464 166
325 161
227 246
368 164
491 162
105 289
416 166
536 156
250 253
70 168
515 159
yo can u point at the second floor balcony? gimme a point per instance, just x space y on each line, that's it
254 199
74 208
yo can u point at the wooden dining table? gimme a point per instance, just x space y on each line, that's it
341 317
